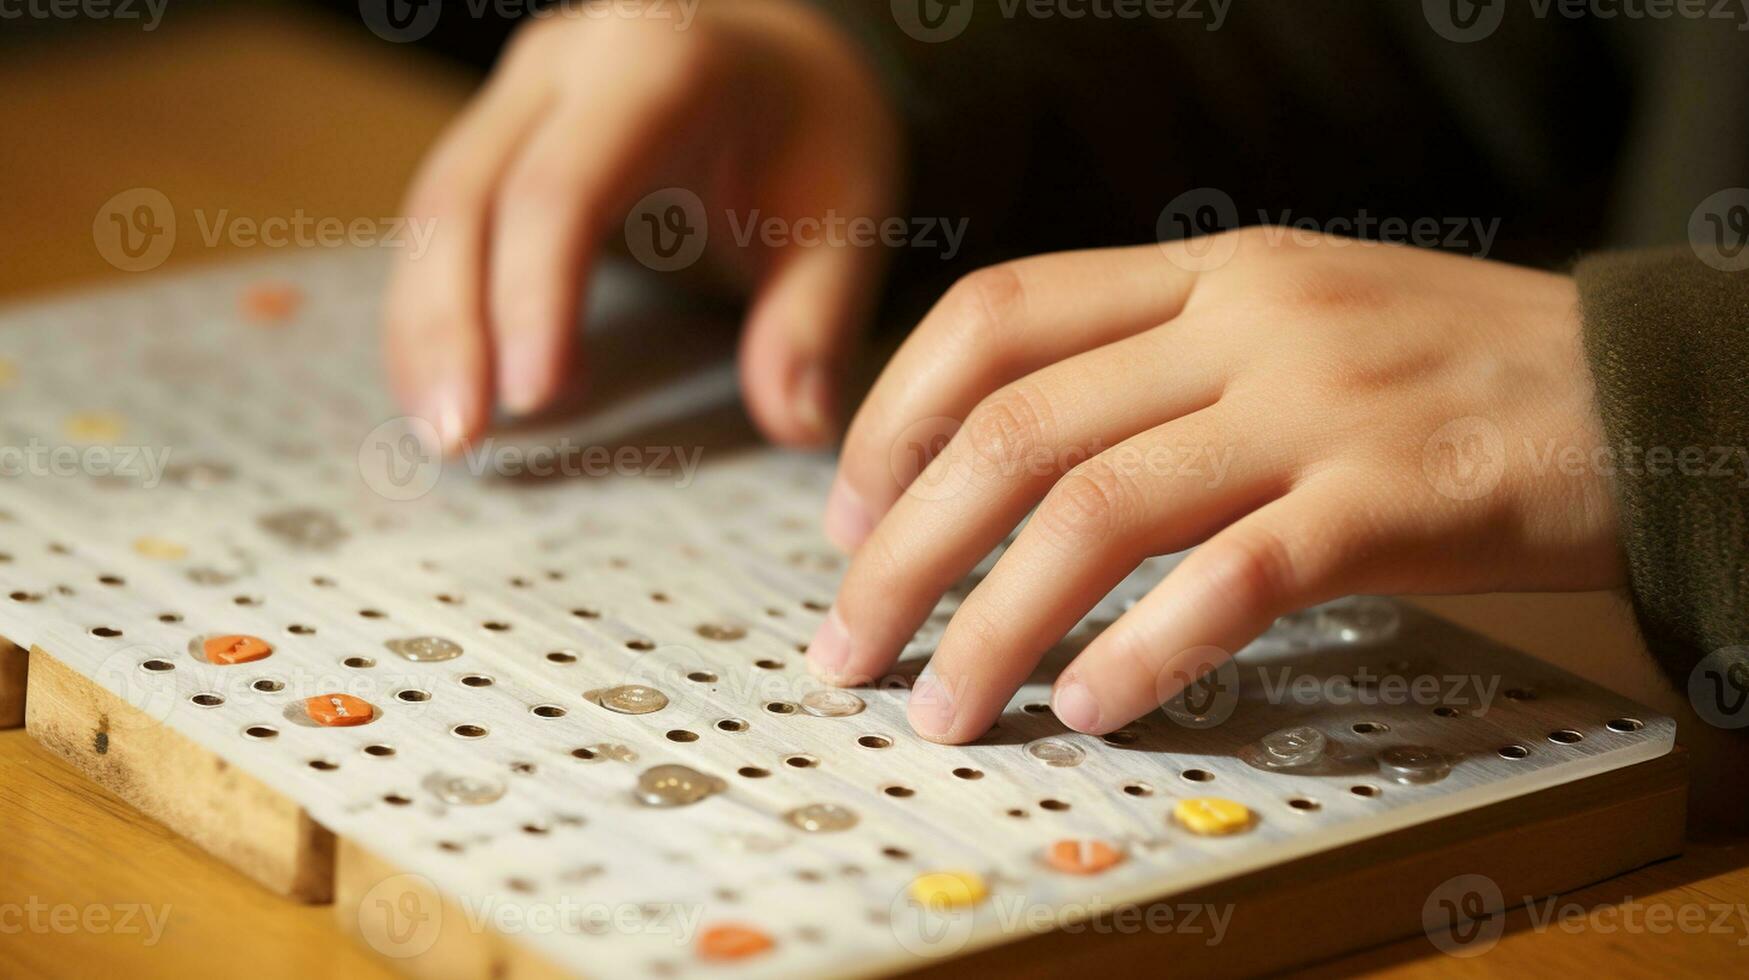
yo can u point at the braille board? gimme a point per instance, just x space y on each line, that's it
509 635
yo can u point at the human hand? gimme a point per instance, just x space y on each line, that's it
1324 418
757 105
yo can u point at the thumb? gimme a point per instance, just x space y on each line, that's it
806 323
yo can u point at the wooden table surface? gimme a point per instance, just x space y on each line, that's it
265 113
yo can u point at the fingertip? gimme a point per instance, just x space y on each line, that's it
1076 707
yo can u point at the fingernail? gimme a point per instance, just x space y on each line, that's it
830 649
931 710
1075 707
812 400
848 522
443 409
522 370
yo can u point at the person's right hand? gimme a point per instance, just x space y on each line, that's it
760 107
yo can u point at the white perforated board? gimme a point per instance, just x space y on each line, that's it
270 520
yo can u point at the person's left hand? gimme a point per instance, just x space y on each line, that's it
1330 417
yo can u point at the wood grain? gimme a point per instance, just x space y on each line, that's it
14 668
168 777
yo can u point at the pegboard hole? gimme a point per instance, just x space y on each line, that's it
1138 789
112 580
1303 804
874 741
1198 775
732 725
702 677
1566 736
547 711
379 751
1036 708
372 613
682 735
536 829
1121 737
1370 727
584 754
641 644
899 792
780 707
261 732
169 617
1513 752
1624 726
495 626
207 700
1362 789
324 765
268 685
107 632
1056 806
967 772
396 799
359 663
1019 814
476 680
299 629
412 696
896 853
157 666
768 664
753 772
468 731
586 612
801 760
562 657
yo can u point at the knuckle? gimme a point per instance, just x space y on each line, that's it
982 304
1093 500
1008 428
1257 568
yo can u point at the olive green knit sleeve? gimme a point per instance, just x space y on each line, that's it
1667 339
